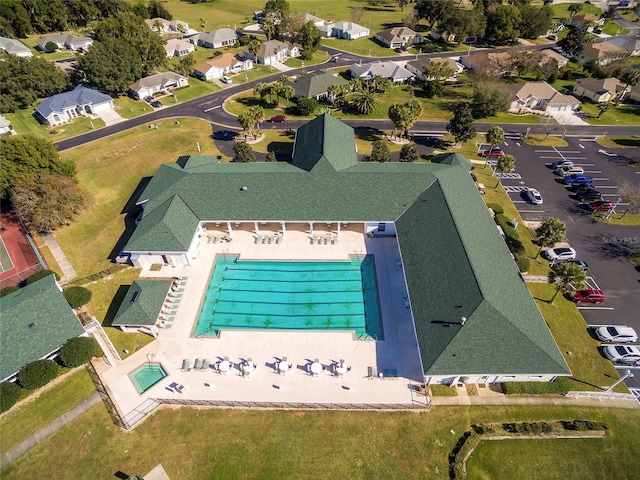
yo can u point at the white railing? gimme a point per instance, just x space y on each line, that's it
609 395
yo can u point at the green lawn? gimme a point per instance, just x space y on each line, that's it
63 54
613 29
219 443
366 46
318 57
130 156
23 121
621 218
620 115
21 421
561 10
618 142
278 141
540 140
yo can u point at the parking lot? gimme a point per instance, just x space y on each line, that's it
604 247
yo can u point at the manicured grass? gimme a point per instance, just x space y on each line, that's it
365 46
505 118
613 29
24 420
23 121
540 140
620 218
590 369
109 171
221 443
618 142
318 57
63 54
366 137
561 10
620 115
127 107
278 141
443 391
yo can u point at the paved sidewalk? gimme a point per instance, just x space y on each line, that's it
535 400
46 432
68 273
535 278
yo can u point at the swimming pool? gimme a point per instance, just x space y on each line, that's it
146 376
255 295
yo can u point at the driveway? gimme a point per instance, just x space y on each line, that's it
110 117
567 118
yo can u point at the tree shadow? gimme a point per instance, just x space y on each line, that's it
115 305
586 383
369 134
132 211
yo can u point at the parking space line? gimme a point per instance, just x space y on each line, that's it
595 308
600 179
593 171
607 186
531 211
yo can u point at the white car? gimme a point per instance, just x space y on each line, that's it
226 79
534 196
623 354
616 334
562 163
560 254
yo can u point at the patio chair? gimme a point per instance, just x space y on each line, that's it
186 365
335 240
265 239
278 238
258 238
314 240
198 364
205 364
217 239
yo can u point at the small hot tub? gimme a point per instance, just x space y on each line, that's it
146 376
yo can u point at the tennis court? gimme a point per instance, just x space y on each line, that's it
5 259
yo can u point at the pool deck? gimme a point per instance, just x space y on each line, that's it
398 351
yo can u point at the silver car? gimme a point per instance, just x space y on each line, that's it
560 254
623 354
616 334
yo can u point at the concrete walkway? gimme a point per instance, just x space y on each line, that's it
534 400
535 278
49 430
68 273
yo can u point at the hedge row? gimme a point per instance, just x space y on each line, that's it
77 296
513 240
459 452
9 395
496 207
37 374
560 387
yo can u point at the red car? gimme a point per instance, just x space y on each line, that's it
601 206
589 296
278 119
495 153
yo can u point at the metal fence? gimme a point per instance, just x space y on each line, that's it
97 276
297 405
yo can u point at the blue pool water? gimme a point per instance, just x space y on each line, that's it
147 375
291 296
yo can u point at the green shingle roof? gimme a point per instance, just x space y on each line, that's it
35 321
314 84
455 261
453 159
142 303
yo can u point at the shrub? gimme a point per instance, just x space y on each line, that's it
559 387
78 351
635 258
515 245
306 106
271 157
583 425
462 448
523 262
8 290
37 374
508 230
41 274
9 395
77 296
497 208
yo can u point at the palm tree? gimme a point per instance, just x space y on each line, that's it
603 107
245 119
287 92
551 230
261 89
495 137
157 25
257 115
566 275
364 102
506 164
575 8
334 91
203 23
253 47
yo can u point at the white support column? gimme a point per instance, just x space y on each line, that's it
339 227
255 224
311 228
284 228
229 228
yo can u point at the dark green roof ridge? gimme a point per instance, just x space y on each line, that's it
142 303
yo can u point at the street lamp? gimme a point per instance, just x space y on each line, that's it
627 374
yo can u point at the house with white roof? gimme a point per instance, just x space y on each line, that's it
273 51
157 83
317 21
542 97
223 37
417 67
176 47
5 127
14 47
161 25
386 69
349 30
222 65
64 107
397 37
68 41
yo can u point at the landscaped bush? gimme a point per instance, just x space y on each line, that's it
306 106
77 296
528 428
78 351
497 208
8 290
9 395
37 374
508 229
41 274
559 387
515 245
523 262
456 457
584 425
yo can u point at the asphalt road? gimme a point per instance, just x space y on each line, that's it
604 247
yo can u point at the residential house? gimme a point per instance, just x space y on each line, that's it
14 47
540 96
549 54
157 83
222 65
161 25
36 321
630 44
317 21
600 89
397 37
5 127
417 67
273 51
587 21
494 63
634 94
223 37
316 85
70 42
386 69
440 34
64 107
467 306
602 53
179 48
141 307
349 30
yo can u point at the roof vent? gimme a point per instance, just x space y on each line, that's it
244 189
463 320
135 296
31 325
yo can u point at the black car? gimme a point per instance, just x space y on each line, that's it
148 99
588 195
155 104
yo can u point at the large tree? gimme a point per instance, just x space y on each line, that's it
434 11
630 77
535 21
438 71
28 153
409 153
184 64
630 194
461 125
364 102
112 65
46 15
465 23
503 24
566 276
573 43
506 164
489 98
46 201
550 231
24 80
405 115
14 19
243 153
309 39
495 137
380 152
277 12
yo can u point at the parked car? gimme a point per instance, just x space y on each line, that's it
496 152
623 354
226 79
601 206
568 170
562 163
588 194
534 196
577 179
148 99
155 104
581 263
278 119
560 254
590 295
401 49
616 334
